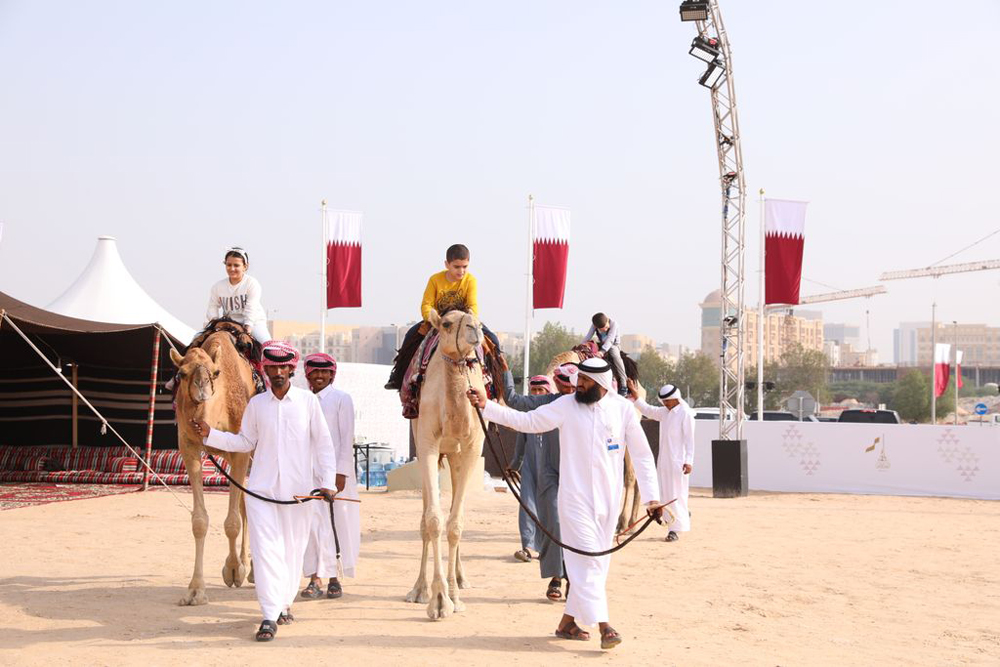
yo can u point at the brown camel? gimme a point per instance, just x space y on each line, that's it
215 384
630 499
447 428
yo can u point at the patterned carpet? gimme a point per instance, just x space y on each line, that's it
26 494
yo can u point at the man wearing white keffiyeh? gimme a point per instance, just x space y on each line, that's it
595 426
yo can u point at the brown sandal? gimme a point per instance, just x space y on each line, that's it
610 638
574 632
554 591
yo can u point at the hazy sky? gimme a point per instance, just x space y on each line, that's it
184 127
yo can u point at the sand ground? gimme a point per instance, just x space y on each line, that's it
772 579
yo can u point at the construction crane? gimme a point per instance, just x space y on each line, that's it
844 294
938 271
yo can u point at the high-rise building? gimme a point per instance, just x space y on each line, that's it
904 342
980 344
781 331
842 334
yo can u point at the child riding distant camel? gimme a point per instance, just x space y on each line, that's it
447 290
608 343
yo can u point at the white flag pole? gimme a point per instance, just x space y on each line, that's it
760 319
934 363
528 305
323 271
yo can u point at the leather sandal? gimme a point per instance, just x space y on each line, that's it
266 632
574 632
285 618
610 638
554 591
312 591
334 590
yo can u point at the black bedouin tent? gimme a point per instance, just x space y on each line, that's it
110 364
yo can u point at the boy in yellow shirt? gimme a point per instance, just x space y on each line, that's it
446 290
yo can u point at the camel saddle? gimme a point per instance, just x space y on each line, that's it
244 343
413 379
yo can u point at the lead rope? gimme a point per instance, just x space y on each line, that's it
315 494
620 545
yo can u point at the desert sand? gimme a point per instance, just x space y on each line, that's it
771 579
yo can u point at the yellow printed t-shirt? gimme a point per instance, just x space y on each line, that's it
438 284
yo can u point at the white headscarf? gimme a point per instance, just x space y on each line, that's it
599 371
668 391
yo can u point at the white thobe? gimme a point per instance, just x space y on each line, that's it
321 552
292 448
592 440
676 449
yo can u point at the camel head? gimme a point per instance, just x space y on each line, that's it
460 333
197 371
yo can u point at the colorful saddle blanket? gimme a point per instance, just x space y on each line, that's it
413 379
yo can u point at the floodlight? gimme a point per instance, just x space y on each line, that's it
705 49
694 10
712 76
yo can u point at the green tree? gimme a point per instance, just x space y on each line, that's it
912 399
547 343
803 369
654 371
697 376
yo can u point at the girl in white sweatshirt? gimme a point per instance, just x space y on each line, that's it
238 296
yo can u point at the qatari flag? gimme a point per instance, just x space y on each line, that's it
958 368
941 367
550 240
343 259
784 227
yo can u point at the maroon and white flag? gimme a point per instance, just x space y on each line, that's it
784 237
942 368
550 241
343 259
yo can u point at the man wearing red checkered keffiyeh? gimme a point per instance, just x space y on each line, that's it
286 430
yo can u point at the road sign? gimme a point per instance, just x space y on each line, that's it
981 408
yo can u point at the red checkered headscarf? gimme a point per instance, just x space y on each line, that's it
278 353
565 375
540 381
320 361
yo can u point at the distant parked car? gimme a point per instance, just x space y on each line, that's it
775 416
706 413
869 417
815 418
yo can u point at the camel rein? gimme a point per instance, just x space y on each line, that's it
315 494
506 478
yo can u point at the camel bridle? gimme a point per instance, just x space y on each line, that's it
211 380
466 361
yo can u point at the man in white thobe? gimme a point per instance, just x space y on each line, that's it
595 426
285 429
321 552
676 456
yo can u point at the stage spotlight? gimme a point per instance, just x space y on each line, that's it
712 76
705 49
694 10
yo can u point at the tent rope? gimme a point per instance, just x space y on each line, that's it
105 426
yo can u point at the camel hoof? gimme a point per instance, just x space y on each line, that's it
193 598
250 576
459 605
234 576
440 607
418 596
464 584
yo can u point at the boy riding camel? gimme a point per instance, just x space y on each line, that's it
446 290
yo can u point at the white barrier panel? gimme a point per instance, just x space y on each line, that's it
889 459
378 415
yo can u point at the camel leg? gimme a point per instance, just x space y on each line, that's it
629 500
420 593
440 605
460 467
463 583
245 541
199 527
234 571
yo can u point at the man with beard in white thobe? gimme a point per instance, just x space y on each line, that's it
321 552
676 456
285 429
595 426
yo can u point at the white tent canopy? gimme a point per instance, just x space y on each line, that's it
107 292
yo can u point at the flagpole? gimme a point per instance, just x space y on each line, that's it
934 363
323 272
760 319
955 322
528 290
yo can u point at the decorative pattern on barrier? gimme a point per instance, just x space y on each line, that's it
951 450
806 452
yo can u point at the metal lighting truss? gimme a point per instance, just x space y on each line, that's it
734 194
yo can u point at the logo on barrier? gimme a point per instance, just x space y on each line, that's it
882 462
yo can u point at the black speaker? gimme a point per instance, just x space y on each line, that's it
729 468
